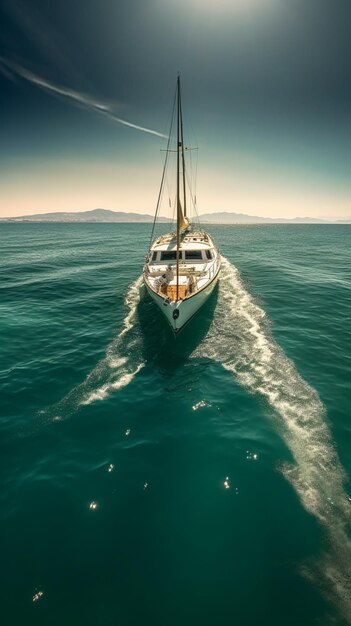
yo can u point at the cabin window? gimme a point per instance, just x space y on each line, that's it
154 256
169 255
193 255
209 254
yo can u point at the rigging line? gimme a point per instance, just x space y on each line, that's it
193 188
194 160
169 188
196 164
174 220
193 197
188 180
163 174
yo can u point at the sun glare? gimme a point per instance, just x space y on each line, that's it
227 6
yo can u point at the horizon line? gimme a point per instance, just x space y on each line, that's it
257 218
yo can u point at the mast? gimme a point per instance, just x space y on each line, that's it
178 186
182 147
182 221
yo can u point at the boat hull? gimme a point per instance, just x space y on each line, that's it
180 313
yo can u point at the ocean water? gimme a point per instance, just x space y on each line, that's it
197 481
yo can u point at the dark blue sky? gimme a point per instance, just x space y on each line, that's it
86 86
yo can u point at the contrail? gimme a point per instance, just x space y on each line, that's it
77 96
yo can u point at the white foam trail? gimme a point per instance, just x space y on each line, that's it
105 390
121 363
117 369
240 340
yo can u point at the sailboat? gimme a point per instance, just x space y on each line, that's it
182 267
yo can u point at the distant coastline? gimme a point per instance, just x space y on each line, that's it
108 216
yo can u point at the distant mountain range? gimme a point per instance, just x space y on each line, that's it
105 215
240 218
96 215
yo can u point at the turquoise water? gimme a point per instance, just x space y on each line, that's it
151 481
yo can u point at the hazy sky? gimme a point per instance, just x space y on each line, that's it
87 88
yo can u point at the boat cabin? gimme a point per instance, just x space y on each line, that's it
185 255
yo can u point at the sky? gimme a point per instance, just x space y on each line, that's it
87 86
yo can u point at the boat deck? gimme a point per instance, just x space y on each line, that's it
194 274
188 240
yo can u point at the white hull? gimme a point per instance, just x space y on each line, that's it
182 267
186 308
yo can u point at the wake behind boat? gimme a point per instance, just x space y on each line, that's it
182 267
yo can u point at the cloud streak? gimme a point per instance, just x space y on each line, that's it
78 97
